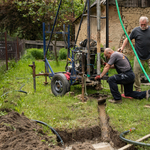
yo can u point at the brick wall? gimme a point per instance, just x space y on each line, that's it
130 18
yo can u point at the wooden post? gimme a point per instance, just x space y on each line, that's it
17 49
45 76
6 51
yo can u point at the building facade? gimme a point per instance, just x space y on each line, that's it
130 10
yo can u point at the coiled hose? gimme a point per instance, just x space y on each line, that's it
130 141
131 42
16 90
54 131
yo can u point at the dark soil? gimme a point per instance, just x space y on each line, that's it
20 133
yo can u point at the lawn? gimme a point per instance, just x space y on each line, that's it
67 112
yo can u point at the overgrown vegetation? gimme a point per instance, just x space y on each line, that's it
35 53
68 112
24 18
62 53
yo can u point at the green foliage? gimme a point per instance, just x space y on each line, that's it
25 18
146 67
11 64
37 53
42 104
34 53
113 48
62 53
68 112
101 57
50 55
131 62
2 113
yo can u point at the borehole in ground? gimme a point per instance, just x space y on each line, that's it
19 132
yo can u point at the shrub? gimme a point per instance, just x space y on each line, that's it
62 53
37 53
50 55
28 56
34 53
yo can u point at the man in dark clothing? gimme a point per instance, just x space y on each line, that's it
125 76
141 35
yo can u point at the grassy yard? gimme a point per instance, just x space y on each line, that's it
67 112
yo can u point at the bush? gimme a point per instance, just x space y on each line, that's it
50 55
37 53
34 53
62 53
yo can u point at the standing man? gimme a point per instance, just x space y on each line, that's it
141 35
125 76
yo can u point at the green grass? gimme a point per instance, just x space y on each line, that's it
67 112
59 112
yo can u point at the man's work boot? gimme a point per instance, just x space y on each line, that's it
115 101
147 94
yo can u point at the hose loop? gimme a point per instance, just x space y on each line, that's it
53 130
130 141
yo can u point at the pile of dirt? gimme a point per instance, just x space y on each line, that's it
18 132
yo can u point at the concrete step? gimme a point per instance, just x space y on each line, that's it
102 146
98 146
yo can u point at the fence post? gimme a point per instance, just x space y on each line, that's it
6 51
17 49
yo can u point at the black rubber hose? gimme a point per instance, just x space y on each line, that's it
54 131
15 91
130 141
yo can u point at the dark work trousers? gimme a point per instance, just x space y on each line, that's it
127 79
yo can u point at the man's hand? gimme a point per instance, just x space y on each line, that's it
119 50
104 63
97 77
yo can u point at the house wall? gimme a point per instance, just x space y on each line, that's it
130 18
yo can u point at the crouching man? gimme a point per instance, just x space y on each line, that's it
125 76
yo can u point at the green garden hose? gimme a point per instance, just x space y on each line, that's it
130 141
131 42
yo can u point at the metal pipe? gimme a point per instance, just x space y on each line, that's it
34 80
53 28
83 84
44 48
88 38
92 16
44 41
107 23
98 36
68 48
80 23
45 77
